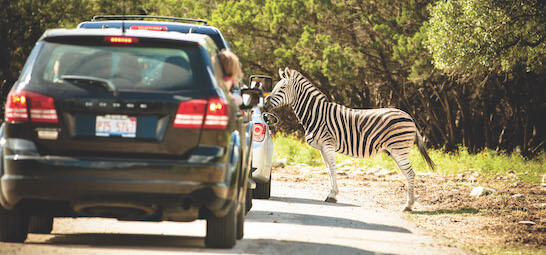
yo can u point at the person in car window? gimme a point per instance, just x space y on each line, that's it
232 72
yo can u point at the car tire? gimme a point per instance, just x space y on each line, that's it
248 200
263 190
40 224
240 224
221 231
13 225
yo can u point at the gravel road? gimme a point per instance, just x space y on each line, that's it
293 221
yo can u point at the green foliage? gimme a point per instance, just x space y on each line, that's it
474 36
22 23
295 151
329 42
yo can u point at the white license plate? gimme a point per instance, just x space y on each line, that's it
116 125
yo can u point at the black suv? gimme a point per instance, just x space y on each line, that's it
182 25
130 124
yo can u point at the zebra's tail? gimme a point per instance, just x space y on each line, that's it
423 150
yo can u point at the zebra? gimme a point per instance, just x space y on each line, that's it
362 133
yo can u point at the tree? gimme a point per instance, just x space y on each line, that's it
475 37
496 50
22 23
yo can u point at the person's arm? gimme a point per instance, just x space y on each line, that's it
236 96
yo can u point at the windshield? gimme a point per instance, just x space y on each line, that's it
140 68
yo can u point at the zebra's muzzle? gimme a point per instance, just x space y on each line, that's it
267 106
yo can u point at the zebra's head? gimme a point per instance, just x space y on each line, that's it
281 94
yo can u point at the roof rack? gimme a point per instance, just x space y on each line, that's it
119 17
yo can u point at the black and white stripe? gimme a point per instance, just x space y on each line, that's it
362 133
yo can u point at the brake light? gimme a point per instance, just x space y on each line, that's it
259 132
217 114
121 39
16 107
148 27
42 108
190 114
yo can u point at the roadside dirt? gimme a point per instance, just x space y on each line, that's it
511 216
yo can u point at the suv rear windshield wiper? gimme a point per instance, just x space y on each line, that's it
93 80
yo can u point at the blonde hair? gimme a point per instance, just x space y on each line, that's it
230 64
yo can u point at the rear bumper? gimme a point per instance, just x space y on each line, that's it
131 182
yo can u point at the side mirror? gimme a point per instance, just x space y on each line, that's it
251 97
263 82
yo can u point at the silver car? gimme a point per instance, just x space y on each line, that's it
262 145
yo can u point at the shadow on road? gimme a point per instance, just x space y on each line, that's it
272 246
318 220
112 240
307 201
144 242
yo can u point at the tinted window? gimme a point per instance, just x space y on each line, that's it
142 68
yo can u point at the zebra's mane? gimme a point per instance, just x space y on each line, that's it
295 75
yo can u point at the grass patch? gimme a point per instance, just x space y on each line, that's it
487 162
445 211
311 176
295 151
460 184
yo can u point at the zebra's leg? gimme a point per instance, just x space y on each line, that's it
403 163
328 156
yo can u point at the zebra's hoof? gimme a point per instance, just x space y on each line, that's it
330 200
407 209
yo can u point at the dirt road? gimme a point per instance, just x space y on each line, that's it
293 221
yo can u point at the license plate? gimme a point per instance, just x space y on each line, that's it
115 125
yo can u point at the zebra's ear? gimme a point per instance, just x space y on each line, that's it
281 74
286 72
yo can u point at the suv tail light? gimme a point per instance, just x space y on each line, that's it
121 39
217 114
192 113
19 102
259 132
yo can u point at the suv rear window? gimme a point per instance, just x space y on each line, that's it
133 68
